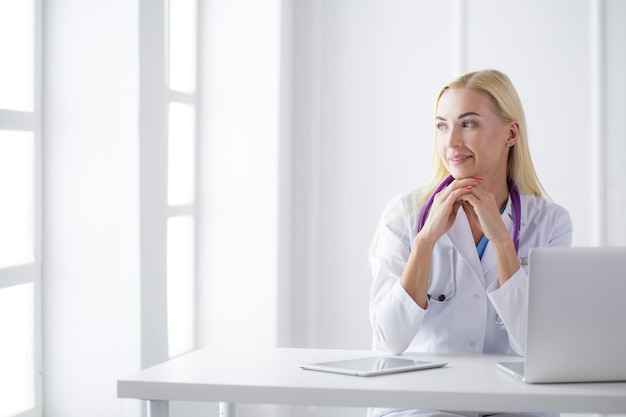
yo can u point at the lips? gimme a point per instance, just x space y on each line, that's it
459 159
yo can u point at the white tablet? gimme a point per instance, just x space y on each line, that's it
374 365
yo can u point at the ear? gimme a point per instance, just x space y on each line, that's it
513 134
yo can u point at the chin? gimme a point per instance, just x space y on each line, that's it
461 175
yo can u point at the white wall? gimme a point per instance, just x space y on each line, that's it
239 127
356 89
615 108
365 77
91 205
363 91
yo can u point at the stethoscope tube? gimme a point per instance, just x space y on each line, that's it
515 203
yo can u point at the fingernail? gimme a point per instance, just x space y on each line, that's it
469 188
478 179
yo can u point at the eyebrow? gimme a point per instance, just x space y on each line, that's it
469 113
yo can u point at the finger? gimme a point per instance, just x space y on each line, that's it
481 196
481 206
458 184
465 182
463 193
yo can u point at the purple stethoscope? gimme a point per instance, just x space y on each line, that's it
515 203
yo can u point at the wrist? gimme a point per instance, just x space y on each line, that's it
504 246
422 241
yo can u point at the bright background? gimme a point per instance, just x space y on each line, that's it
314 113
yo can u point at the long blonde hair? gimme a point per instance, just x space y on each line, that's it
500 90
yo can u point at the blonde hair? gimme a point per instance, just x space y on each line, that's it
500 90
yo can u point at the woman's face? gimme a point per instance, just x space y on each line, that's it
473 141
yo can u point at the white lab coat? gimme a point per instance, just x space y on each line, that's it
480 316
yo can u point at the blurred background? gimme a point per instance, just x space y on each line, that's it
187 173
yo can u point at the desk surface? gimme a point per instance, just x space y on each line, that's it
271 376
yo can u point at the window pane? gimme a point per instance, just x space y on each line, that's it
16 54
182 42
180 284
17 383
181 154
16 194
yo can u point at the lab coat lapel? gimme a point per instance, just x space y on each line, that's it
461 237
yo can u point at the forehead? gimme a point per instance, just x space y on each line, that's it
457 101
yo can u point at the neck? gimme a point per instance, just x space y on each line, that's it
499 188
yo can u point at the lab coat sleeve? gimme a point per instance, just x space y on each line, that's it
510 302
511 299
394 315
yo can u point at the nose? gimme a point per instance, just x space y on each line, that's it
454 138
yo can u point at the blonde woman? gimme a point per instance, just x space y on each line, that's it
449 258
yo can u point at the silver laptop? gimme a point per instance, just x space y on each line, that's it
576 316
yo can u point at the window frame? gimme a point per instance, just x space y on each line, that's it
155 98
10 276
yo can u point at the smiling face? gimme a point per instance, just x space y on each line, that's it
472 140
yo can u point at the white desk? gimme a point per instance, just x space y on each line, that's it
271 376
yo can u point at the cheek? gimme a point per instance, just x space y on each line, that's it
441 151
441 146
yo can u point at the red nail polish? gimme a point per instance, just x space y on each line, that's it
478 179
470 188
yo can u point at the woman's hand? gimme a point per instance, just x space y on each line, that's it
440 218
445 207
485 207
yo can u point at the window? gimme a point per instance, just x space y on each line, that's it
168 179
20 190
181 140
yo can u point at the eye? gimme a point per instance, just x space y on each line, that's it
441 126
468 123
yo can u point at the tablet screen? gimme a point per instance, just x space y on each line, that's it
375 365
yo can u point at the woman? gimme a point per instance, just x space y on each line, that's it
449 258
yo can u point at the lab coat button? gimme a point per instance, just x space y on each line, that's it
476 296
472 343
